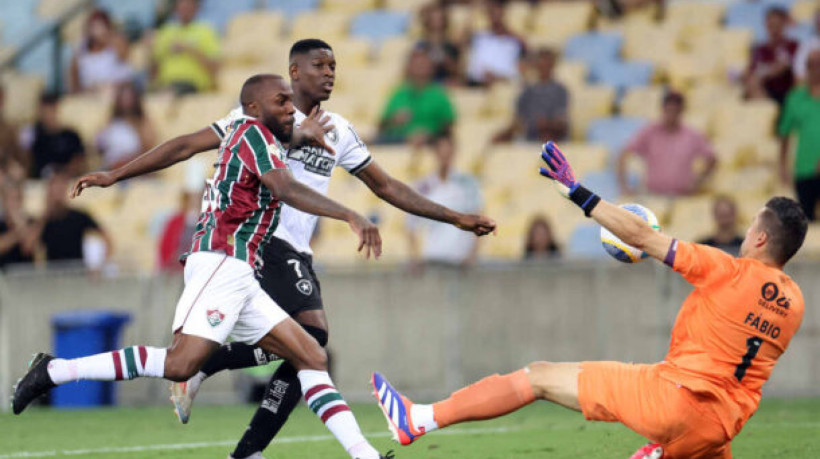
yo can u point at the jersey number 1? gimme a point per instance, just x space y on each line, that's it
752 347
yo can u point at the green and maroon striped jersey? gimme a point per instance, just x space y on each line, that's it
240 214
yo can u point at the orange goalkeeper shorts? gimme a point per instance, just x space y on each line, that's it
659 410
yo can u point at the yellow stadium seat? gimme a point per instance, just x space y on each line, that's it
804 10
88 114
643 102
519 17
394 51
405 5
751 181
231 79
587 104
332 25
706 98
501 99
695 18
732 45
652 43
246 50
811 245
52 9
352 52
263 25
206 107
370 82
691 217
473 139
22 93
469 103
686 70
753 119
349 6
572 74
463 17
558 21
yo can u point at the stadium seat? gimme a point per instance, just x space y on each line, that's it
22 93
593 47
52 9
352 52
622 75
642 102
604 183
757 117
572 74
231 79
394 51
651 43
470 103
263 24
254 38
587 104
752 15
519 16
688 216
141 13
686 70
558 21
697 14
811 245
501 100
218 13
405 5
379 25
585 242
291 8
85 113
333 25
349 6
803 10
614 132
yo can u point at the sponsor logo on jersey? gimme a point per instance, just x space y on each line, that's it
314 159
305 287
215 317
771 299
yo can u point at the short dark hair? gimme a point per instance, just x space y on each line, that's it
250 88
307 45
673 97
786 224
778 11
49 98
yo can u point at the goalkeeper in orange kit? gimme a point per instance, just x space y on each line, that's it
726 340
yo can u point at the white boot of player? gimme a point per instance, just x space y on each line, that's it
183 394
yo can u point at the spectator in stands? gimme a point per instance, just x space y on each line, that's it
13 161
725 237
419 109
542 110
770 69
807 46
495 53
178 231
540 241
436 42
15 226
129 132
62 230
50 144
186 52
670 149
801 116
445 245
101 60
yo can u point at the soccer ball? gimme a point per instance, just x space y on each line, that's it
617 248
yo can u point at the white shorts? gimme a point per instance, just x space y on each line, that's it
221 298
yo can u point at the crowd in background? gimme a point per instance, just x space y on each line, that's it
185 58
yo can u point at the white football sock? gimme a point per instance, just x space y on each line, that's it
423 419
323 399
128 363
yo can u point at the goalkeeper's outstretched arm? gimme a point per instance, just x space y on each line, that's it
627 226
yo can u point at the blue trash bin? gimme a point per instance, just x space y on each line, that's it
82 333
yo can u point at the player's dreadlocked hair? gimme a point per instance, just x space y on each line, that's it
307 45
786 225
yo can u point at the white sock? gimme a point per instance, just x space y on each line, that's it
423 419
324 400
128 363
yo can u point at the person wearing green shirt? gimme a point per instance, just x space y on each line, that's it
186 52
419 109
801 115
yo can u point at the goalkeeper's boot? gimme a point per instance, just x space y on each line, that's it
396 409
649 451
35 383
183 394
256 455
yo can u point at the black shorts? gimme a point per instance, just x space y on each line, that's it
287 276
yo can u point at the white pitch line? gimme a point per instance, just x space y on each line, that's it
212 444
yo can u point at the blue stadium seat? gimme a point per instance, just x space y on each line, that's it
603 183
621 74
292 8
593 47
614 132
801 31
379 25
39 61
19 22
585 242
140 12
219 12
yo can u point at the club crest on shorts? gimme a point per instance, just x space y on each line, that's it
305 287
215 317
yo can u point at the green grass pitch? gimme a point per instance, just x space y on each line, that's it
782 428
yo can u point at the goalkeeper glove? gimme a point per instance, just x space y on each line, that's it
560 171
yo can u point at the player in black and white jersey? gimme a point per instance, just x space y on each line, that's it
287 274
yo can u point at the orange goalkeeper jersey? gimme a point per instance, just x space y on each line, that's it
731 329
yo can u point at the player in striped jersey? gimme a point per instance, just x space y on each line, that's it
221 296
287 275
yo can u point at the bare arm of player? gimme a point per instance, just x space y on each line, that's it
160 157
299 196
631 229
407 199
